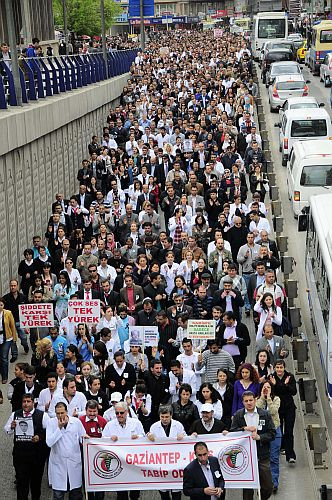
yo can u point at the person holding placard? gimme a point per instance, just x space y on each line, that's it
27 425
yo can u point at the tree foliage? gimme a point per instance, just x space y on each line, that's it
83 16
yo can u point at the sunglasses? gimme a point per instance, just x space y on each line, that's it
120 413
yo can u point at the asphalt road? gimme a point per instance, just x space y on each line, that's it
295 481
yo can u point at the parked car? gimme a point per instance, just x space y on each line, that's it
286 86
301 51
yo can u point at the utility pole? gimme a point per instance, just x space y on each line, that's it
103 34
13 50
142 24
65 27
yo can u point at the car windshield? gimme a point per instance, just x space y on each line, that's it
290 85
309 128
304 105
298 43
284 70
316 175
326 36
279 56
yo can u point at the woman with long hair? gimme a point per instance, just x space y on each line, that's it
268 311
73 360
180 288
37 284
26 270
201 231
269 401
187 266
263 365
134 191
61 294
208 394
84 342
49 279
196 275
246 380
73 273
44 360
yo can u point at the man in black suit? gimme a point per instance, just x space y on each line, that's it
162 170
83 198
145 196
107 296
255 280
238 190
259 423
61 201
202 478
178 308
222 298
86 293
62 254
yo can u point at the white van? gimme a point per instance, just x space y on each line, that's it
309 172
302 125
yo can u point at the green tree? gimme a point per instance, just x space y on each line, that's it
83 16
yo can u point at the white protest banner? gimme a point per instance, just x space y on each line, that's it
36 315
201 329
151 336
84 311
142 465
136 335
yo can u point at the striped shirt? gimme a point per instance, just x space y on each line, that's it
213 362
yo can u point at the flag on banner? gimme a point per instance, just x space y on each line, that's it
142 465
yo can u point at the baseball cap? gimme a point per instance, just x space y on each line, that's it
207 407
117 396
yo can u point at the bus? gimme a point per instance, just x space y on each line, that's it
320 46
268 26
318 270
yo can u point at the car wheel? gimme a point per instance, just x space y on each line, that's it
283 161
280 148
327 81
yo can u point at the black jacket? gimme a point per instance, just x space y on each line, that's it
194 480
218 426
144 319
158 388
186 414
267 432
128 376
285 392
237 302
242 341
19 391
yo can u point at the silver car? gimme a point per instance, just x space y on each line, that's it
282 68
286 86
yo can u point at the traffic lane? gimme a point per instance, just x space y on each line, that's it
296 243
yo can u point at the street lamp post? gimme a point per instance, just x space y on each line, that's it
65 26
13 50
142 24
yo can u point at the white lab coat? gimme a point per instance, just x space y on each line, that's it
176 428
65 457
77 403
189 377
133 426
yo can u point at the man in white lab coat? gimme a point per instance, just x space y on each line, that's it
123 427
74 400
167 428
64 435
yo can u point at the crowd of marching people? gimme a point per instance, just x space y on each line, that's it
169 223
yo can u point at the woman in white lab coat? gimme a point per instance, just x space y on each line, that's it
64 435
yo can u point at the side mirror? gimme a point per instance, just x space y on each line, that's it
308 81
278 124
302 222
321 104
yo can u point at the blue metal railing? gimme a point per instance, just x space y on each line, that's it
41 77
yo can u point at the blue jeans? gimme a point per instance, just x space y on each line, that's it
4 354
274 456
247 304
23 338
